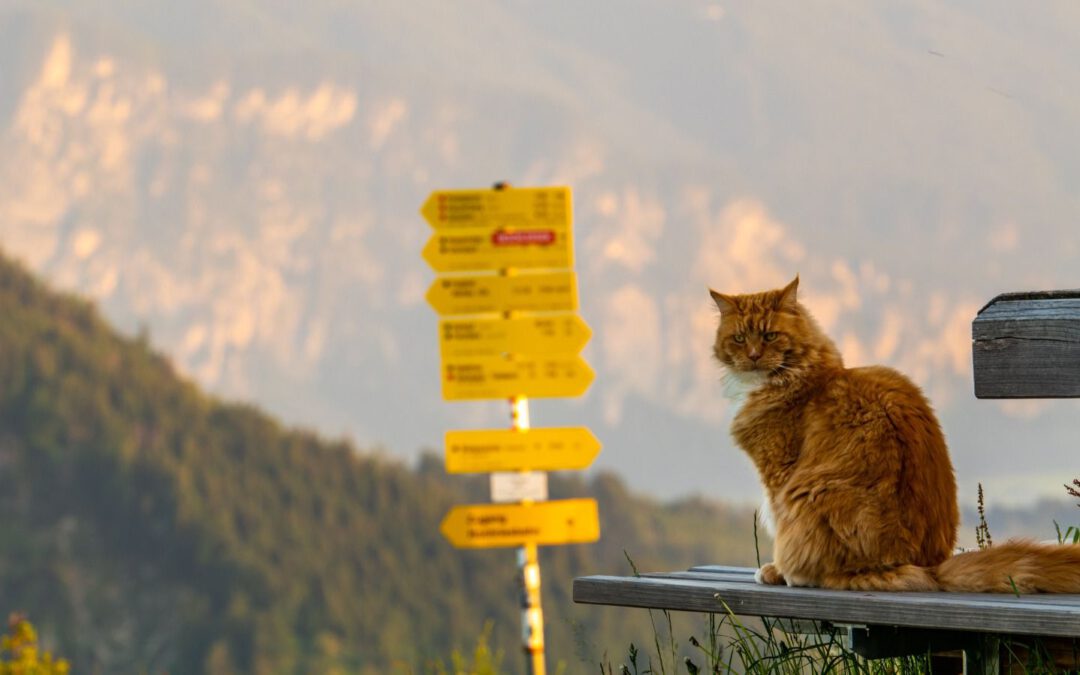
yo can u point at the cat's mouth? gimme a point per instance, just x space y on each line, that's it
762 368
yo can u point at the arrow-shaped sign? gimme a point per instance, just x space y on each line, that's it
539 449
488 249
546 208
533 376
490 294
567 521
550 334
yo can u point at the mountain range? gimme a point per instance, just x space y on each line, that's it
239 183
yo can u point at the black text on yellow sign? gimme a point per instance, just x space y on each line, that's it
495 294
545 207
539 449
566 521
548 334
529 375
487 249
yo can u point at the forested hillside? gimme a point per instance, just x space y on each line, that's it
148 527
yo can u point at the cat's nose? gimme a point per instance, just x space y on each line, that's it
754 356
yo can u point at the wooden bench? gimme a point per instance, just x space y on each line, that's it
1026 345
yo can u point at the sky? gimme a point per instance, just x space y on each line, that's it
243 183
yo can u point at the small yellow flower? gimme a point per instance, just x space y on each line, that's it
19 653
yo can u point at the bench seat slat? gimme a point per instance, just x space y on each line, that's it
746 571
697 591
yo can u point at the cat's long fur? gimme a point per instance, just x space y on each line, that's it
855 467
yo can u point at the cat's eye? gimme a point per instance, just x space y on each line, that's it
740 339
770 336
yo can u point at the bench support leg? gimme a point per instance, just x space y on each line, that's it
982 657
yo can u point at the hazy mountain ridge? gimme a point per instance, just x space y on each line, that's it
243 181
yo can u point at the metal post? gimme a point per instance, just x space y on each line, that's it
532 615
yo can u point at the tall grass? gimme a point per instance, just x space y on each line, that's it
484 661
731 644
764 646
759 646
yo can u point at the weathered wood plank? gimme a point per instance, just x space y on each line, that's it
1027 345
1021 368
1037 296
696 592
706 576
745 571
746 575
1009 305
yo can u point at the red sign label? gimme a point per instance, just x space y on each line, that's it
523 238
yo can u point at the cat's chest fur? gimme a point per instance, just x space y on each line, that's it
739 386
766 429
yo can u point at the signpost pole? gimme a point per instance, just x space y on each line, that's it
532 615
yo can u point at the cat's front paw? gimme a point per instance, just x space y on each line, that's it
769 575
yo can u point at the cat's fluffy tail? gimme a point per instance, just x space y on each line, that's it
1016 566
901 578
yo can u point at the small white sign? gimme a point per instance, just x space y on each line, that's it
519 486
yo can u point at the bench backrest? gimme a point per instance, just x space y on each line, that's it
1027 345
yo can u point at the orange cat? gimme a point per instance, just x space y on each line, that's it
855 468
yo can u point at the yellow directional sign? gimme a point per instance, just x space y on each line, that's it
533 376
567 521
547 207
551 334
553 449
488 294
493 249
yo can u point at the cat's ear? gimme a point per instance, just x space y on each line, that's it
726 303
788 296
